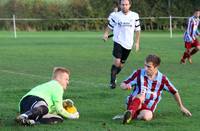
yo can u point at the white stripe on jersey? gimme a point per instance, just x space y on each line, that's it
123 27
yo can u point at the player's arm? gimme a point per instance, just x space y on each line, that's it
58 102
130 81
61 111
137 33
125 86
137 41
197 33
168 86
180 104
106 33
112 22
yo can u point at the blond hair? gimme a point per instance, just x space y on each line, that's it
59 70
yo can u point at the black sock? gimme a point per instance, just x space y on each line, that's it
118 69
114 71
37 113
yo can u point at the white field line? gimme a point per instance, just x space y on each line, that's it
47 78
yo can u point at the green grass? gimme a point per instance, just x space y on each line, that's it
28 60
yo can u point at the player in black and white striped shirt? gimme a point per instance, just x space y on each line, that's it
123 24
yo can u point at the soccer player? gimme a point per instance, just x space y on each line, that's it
44 103
192 45
123 24
148 83
115 10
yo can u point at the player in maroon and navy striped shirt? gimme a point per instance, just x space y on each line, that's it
148 83
192 44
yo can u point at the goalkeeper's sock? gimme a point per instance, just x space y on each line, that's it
133 106
37 113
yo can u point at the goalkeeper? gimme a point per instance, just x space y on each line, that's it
44 103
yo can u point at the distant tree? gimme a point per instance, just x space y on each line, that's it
101 8
80 8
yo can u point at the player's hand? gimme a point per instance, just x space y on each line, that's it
137 47
186 111
125 86
105 37
67 103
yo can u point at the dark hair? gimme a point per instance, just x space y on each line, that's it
115 4
130 1
196 9
154 59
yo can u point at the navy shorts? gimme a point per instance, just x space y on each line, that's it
120 52
28 103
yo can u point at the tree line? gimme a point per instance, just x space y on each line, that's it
52 10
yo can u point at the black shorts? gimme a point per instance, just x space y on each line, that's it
28 102
120 52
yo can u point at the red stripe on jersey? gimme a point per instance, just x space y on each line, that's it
139 81
145 81
171 89
151 97
158 94
146 102
153 88
136 74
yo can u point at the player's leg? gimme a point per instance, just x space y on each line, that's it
134 104
120 56
146 115
32 108
38 110
51 119
116 67
114 71
186 54
196 48
125 54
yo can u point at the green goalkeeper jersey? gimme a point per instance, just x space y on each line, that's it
52 93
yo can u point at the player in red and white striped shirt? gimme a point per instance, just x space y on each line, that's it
148 85
192 44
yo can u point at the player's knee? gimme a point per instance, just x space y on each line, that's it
42 110
147 117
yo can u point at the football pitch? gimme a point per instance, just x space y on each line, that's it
28 61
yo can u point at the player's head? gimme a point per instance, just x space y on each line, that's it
115 6
61 75
197 12
125 5
151 64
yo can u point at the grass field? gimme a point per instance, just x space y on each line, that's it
28 60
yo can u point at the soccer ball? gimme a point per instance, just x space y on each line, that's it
68 105
71 109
